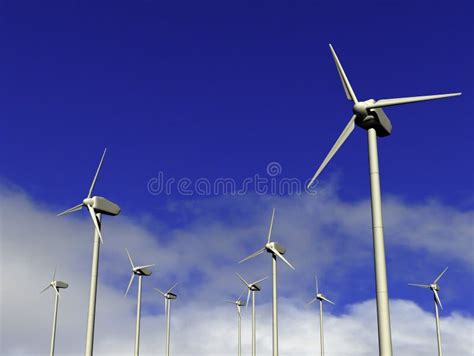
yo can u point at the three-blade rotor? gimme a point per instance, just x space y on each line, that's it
251 287
167 295
56 285
137 270
433 286
319 296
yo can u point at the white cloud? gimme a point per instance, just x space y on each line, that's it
320 234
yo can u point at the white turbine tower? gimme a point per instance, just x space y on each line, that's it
96 206
140 271
238 303
370 116
276 250
434 286
168 298
252 288
321 297
56 285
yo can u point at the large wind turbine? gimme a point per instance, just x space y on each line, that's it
168 298
96 206
140 271
370 116
238 303
276 250
321 297
434 286
252 288
56 285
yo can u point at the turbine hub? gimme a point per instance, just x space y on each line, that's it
88 201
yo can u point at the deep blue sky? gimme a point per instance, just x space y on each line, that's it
219 89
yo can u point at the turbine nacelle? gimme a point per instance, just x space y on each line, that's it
275 246
142 271
102 205
255 287
368 117
434 287
170 296
59 284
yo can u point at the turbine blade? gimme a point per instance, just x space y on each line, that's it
228 301
248 297
437 300
159 291
96 223
282 258
342 138
255 254
130 259
243 280
440 275
327 300
174 285
241 294
96 174
54 275
317 286
146 266
271 227
166 306
311 301
130 283
260 280
45 289
345 82
408 100
419 285
56 290
72 210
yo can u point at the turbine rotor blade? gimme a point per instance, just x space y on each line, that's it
271 226
130 283
437 300
174 285
96 174
243 280
311 301
130 259
317 286
159 291
282 258
345 82
255 254
440 275
260 280
56 290
339 142
45 289
248 297
408 100
419 285
72 210
241 294
54 274
327 300
96 223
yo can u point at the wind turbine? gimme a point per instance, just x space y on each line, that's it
96 206
276 250
168 298
370 116
56 285
434 286
252 288
238 303
321 297
140 271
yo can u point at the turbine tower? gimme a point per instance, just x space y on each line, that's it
370 116
252 288
96 206
238 303
434 286
276 250
140 271
56 285
321 297
168 298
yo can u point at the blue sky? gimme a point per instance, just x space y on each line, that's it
216 89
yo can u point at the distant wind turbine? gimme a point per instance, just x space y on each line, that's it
56 285
252 288
434 286
140 271
276 250
96 206
169 296
238 303
321 297
370 116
